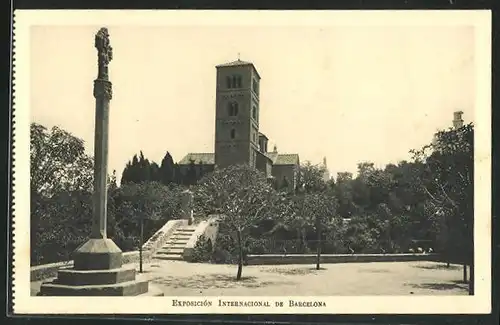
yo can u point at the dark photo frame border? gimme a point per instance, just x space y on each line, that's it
7 131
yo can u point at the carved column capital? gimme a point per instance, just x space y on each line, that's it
103 89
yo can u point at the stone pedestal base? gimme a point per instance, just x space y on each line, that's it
98 254
98 271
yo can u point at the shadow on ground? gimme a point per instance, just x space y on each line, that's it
438 267
453 285
217 281
373 271
297 271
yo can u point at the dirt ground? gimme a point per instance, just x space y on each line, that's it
178 278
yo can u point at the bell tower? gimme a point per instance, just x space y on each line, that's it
236 114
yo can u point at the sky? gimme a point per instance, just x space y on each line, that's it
347 93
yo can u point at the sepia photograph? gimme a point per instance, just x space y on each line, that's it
214 162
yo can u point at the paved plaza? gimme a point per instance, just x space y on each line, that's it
178 278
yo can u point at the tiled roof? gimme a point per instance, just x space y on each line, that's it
206 158
287 159
234 64
209 158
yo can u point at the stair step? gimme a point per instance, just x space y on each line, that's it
183 233
178 238
185 229
169 257
170 251
174 245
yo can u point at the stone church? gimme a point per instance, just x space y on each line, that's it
238 139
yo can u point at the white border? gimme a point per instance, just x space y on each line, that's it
479 303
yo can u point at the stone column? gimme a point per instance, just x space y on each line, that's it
102 94
100 252
98 269
187 206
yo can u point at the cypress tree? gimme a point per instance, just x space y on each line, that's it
167 169
143 170
126 173
155 175
134 172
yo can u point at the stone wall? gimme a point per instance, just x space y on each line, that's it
45 271
341 258
208 229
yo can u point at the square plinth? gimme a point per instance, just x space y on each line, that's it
129 288
95 277
98 254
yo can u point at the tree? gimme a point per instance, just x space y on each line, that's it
344 193
154 172
448 181
241 196
315 201
318 208
144 169
167 169
292 220
150 201
130 172
61 177
58 162
311 177
139 170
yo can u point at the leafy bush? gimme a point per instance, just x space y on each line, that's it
257 246
203 250
225 249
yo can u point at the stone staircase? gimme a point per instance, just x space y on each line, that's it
173 249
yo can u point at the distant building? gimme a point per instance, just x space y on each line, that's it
238 139
457 119
458 122
326 174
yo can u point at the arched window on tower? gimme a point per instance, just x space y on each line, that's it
228 82
233 133
232 108
235 81
255 86
254 113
